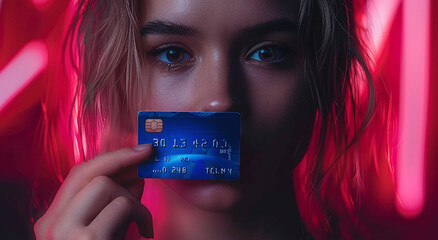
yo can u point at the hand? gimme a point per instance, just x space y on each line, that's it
99 199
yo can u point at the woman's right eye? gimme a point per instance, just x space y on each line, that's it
171 55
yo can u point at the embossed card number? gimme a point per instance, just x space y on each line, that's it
191 145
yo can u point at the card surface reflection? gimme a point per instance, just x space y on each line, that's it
191 145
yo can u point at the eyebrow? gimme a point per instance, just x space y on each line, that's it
276 25
164 27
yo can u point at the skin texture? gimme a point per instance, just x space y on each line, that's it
98 199
217 74
226 60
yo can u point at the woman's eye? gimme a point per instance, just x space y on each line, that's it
173 55
269 54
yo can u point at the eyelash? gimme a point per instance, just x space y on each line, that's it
280 55
161 52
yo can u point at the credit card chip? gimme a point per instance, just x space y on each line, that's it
154 125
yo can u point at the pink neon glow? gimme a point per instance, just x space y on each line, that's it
39 2
380 17
20 71
413 107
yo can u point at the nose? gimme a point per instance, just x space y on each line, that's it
212 84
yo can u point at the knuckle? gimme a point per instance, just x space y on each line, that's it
102 185
57 232
61 229
123 202
103 156
86 234
40 226
76 169
102 180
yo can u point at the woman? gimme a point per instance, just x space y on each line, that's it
296 72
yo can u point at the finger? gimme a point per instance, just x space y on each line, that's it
88 203
125 175
124 178
135 188
103 165
120 212
113 162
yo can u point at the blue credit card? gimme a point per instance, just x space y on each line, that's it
190 145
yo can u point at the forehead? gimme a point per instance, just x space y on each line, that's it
220 15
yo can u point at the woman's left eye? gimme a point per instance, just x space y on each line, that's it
269 54
172 55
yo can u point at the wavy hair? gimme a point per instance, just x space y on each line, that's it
353 122
353 125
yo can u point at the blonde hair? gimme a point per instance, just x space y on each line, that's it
109 72
353 122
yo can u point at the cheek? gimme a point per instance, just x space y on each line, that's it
281 120
274 95
167 92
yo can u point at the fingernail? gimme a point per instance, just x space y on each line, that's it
142 147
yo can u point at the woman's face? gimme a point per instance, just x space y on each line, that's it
238 56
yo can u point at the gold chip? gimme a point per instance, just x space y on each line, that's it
154 125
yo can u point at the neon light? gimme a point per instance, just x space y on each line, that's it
39 2
20 71
413 107
381 14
